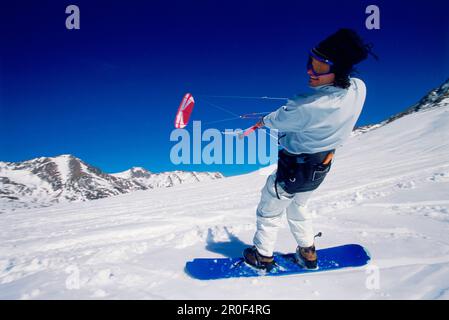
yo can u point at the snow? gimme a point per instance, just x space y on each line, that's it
62 163
42 182
22 176
388 190
127 174
165 179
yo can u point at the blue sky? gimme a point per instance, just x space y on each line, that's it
108 93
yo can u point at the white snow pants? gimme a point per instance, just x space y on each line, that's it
269 217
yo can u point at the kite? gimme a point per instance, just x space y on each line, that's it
184 111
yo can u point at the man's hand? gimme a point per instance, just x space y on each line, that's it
260 124
247 132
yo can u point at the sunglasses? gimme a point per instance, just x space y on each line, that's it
318 65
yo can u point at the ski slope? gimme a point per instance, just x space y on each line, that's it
388 190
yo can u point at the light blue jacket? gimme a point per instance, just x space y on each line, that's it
319 121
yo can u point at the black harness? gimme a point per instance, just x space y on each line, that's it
302 172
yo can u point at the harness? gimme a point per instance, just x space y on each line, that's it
302 172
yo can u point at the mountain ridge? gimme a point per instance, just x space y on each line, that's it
45 181
435 98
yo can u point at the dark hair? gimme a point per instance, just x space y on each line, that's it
342 81
345 48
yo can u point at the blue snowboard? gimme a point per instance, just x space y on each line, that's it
350 255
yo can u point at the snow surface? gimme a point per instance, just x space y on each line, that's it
62 162
388 190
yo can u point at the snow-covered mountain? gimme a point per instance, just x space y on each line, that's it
388 190
150 180
436 98
48 180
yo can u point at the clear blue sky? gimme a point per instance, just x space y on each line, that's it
108 93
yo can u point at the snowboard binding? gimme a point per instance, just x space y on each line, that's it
253 258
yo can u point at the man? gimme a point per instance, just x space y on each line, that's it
311 128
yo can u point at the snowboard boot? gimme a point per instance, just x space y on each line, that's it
256 260
306 257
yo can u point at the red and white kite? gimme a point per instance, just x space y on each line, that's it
184 111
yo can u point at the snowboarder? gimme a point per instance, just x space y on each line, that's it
310 128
